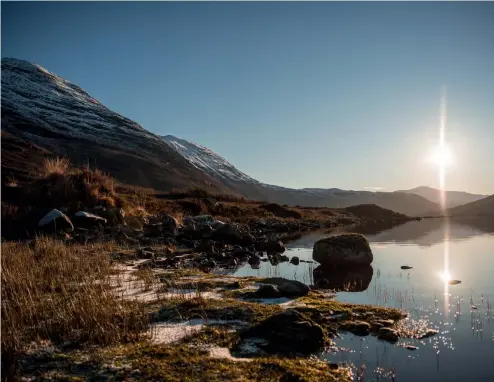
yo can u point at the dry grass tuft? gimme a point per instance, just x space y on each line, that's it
54 292
59 184
58 166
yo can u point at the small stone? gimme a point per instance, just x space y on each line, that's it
376 326
295 260
429 333
386 323
361 328
454 282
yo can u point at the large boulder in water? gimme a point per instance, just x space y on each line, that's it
55 221
343 250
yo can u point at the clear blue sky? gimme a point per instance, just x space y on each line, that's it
295 94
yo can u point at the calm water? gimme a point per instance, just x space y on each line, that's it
463 313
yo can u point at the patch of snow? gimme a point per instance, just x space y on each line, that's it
55 105
206 160
224 353
166 333
169 332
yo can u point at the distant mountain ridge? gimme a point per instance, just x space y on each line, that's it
46 115
453 198
218 167
482 207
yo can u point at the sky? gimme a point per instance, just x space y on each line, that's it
295 94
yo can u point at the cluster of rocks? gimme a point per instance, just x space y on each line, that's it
204 242
288 332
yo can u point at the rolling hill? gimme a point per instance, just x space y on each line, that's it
483 207
453 198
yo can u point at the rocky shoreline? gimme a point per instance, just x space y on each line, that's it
227 328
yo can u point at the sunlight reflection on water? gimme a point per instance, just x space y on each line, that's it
463 313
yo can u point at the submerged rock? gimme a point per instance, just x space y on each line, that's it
343 250
288 332
388 334
429 333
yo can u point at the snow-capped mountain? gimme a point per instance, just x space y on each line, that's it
216 166
42 109
207 160
44 114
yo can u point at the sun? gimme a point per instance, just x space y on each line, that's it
442 156
445 276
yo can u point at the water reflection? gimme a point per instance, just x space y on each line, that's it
349 280
463 313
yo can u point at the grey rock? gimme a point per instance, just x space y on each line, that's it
55 221
274 246
268 291
288 332
293 288
343 250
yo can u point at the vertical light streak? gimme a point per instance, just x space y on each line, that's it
442 190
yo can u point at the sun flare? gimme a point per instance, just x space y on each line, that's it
445 276
442 156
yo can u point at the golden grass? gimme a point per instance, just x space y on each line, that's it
59 166
60 184
55 292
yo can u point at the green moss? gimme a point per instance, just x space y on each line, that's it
217 336
184 363
225 309
324 305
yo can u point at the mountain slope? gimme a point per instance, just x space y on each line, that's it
219 168
207 160
48 112
453 198
483 207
